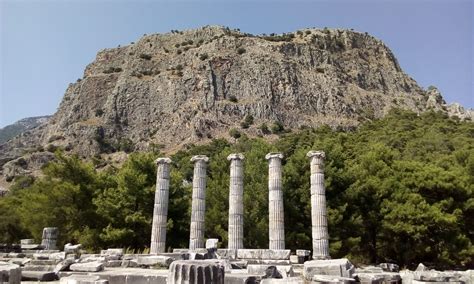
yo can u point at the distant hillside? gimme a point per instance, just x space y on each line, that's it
172 90
21 126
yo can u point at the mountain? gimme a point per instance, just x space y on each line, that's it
183 87
12 130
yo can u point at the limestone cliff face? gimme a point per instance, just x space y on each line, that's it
187 87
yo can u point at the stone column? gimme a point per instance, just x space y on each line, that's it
276 220
198 211
160 210
236 202
50 237
319 221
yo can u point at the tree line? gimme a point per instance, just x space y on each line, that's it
399 189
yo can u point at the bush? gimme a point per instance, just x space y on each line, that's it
233 99
203 56
264 128
248 120
99 112
277 127
234 133
145 56
241 50
179 67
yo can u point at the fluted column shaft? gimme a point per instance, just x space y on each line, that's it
160 210
50 237
319 222
236 202
198 210
276 220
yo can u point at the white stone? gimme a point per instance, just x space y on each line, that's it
289 280
10 273
87 267
263 254
260 269
154 260
212 243
334 267
331 279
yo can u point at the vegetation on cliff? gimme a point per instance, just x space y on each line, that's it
399 189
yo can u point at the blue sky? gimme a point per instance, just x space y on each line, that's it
45 45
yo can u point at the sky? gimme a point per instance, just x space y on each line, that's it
45 45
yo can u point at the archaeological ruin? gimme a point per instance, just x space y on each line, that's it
203 261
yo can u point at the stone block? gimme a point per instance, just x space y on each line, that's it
19 261
334 267
212 243
331 279
242 278
196 272
87 266
294 258
38 276
72 249
16 255
284 271
112 254
27 241
10 273
389 267
227 253
32 246
263 254
154 260
82 279
238 264
289 280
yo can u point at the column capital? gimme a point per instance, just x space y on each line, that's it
317 154
235 156
274 155
200 158
163 161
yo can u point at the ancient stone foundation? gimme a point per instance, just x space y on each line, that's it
160 211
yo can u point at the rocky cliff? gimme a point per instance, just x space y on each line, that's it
171 89
22 125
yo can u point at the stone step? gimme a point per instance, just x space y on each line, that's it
38 276
30 267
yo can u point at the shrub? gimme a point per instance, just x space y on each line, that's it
320 69
145 56
234 133
179 51
248 120
241 50
179 67
99 112
203 56
177 45
277 127
264 128
307 32
233 99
